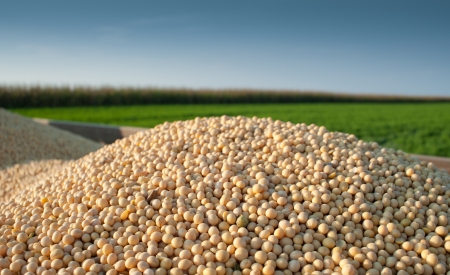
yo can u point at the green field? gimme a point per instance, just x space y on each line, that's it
421 128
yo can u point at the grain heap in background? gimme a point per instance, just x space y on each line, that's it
233 196
23 140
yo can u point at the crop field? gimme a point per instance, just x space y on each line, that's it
421 128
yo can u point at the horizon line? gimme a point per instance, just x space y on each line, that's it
148 88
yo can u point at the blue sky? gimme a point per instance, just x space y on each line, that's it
381 47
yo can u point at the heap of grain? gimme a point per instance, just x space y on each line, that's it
233 196
23 140
24 177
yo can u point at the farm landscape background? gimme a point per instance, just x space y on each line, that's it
412 124
207 183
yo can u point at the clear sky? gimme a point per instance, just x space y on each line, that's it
383 47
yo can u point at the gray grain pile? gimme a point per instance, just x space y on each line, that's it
23 140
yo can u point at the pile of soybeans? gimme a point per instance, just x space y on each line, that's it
23 177
232 195
22 140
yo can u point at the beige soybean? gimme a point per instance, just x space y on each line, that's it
231 195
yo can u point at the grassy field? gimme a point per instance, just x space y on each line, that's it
422 128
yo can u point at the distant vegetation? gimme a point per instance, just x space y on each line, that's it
42 96
421 128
